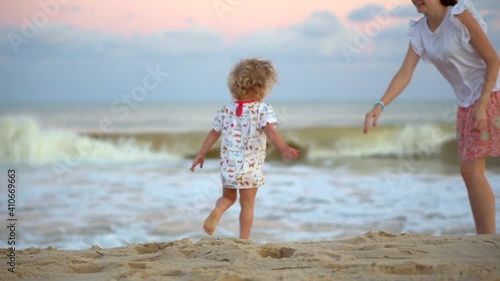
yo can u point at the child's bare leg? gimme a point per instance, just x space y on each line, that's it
481 197
247 202
223 203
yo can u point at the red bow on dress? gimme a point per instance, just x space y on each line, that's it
239 109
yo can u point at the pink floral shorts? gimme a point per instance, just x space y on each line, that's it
473 144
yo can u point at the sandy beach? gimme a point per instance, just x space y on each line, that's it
373 256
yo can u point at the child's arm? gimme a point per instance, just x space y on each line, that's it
209 141
275 138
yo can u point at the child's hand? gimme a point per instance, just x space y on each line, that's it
290 153
200 159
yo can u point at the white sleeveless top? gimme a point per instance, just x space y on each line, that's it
451 52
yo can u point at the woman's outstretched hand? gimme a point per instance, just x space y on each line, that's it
372 117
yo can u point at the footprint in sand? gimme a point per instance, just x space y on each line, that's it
409 268
150 248
275 252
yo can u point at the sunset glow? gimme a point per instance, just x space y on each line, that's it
230 17
98 49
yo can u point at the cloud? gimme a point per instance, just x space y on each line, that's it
320 37
406 12
491 5
58 41
490 9
387 47
365 13
319 24
315 38
67 63
372 11
196 40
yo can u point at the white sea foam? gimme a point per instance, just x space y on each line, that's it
22 140
117 205
134 191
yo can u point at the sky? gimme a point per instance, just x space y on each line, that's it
173 50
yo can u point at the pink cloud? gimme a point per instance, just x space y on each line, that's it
151 16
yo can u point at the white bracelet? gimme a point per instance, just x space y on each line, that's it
381 104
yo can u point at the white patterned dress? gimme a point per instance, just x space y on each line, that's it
243 143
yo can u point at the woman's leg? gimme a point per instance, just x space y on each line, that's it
481 197
223 203
247 202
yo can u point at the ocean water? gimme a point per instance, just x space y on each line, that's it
97 174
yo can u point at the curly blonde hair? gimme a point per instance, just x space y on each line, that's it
251 78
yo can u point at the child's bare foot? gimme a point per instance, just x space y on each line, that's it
211 222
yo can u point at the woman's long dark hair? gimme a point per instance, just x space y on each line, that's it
449 2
